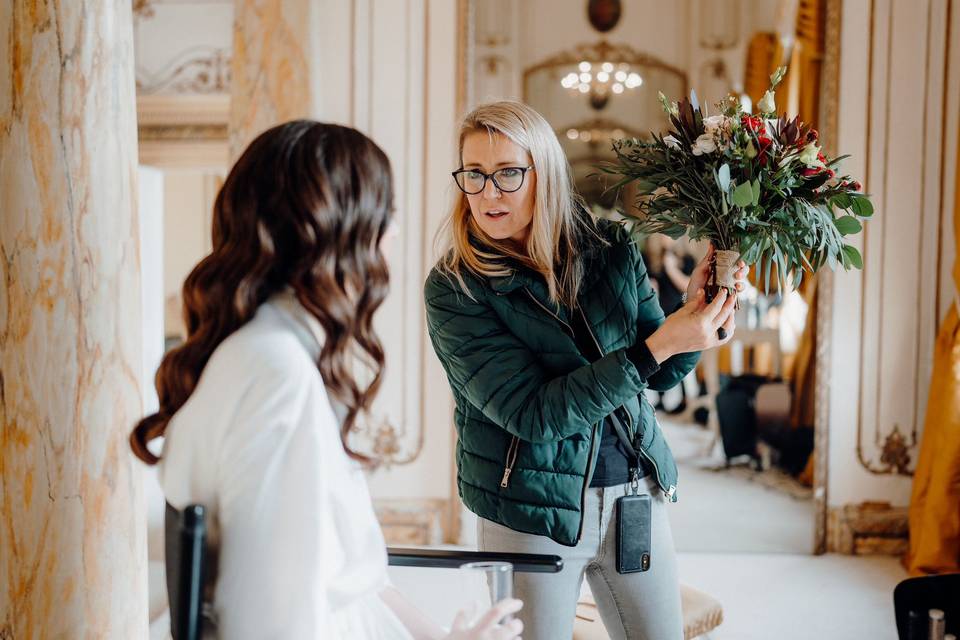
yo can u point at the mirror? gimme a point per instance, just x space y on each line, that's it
595 93
742 428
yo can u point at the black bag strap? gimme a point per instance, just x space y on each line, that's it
621 432
615 421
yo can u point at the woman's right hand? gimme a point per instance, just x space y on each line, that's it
694 326
488 627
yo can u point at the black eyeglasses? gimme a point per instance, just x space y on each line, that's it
507 179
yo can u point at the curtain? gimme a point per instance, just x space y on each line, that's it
935 502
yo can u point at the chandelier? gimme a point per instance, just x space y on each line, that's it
600 80
599 72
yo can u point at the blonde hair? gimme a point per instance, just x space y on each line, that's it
556 227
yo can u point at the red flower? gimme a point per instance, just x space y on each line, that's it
764 146
856 186
815 171
753 123
812 135
821 158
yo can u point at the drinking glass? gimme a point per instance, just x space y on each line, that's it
485 584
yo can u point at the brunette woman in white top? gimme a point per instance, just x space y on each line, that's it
257 406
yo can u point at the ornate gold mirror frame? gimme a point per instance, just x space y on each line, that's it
829 105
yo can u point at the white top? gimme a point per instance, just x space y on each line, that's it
300 553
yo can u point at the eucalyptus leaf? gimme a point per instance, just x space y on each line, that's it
842 201
853 256
724 178
861 206
742 195
847 225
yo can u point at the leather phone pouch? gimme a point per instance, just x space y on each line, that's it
633 533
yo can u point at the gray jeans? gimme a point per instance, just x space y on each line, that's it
633 606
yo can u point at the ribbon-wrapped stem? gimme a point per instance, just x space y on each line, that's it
723 268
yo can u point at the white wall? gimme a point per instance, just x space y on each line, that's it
411 113
392 75
180 35
150 203
188 197
899 121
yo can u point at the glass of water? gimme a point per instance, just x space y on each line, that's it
486 584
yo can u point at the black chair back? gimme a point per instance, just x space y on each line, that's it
185 545
922 594
189 566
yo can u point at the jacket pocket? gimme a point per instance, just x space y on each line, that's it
512 451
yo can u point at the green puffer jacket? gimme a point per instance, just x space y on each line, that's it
529 406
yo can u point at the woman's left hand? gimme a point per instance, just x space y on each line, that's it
698 279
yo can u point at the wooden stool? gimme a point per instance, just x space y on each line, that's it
701 614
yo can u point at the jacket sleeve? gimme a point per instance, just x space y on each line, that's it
649 318
495 372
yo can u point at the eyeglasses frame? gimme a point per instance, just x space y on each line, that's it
489 176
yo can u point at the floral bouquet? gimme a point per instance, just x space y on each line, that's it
757 186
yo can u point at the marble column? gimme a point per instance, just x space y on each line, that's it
275 66
72 534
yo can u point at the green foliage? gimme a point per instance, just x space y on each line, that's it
764 190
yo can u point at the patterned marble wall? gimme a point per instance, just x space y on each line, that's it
271 74
72 527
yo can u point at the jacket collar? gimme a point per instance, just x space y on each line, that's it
594 260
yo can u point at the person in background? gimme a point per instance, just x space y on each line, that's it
669 268
258 405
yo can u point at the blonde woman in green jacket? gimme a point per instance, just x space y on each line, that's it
549 331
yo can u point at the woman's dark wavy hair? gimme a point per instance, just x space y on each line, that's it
304 207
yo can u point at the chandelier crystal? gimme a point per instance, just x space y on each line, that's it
598 80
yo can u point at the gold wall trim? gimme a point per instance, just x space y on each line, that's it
603 50
182 132
183 109
418 522
944 224
870 528
829 113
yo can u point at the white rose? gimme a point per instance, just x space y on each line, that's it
808 155
713 123
704 144
671 142
766 104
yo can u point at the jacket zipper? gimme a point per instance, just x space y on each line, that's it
515 443
668 493
512 451
593 433
542 306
